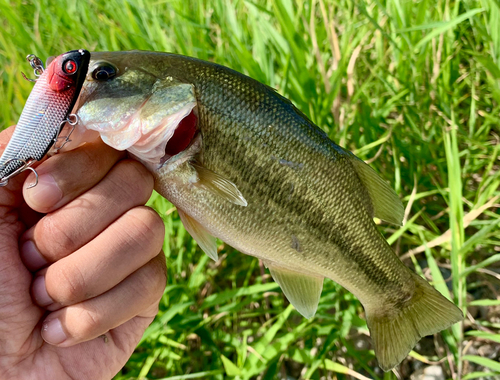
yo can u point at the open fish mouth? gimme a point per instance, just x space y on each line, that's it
153 124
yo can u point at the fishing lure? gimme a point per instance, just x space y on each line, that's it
46 112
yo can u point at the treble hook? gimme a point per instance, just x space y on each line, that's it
37 65
72 120
26 166
36 177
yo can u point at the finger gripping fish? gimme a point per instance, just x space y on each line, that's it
45 112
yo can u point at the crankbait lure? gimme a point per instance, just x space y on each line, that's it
46 111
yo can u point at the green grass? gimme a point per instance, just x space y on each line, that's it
413 87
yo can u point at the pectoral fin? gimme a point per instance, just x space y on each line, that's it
386 203
199 233
302 291
219 185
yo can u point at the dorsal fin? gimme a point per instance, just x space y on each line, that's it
386 203
199 233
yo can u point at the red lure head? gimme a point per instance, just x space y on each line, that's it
64 72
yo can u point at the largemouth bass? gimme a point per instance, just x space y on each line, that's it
242 164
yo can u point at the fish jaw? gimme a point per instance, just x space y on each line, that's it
136 111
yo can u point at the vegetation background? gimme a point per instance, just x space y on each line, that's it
413 87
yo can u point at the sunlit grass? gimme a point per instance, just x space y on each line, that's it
413 87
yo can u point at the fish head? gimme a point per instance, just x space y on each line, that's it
136 106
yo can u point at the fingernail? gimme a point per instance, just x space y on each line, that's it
52 331
39 292
46 193
31 257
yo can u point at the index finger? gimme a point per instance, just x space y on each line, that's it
65 176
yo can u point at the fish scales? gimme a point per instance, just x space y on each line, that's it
262 177
266 128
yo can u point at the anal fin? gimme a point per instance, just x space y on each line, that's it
301 290
199 233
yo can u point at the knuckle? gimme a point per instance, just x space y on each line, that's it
90 161
148 228
62 167
152 279
135 180
62 240
90 324
162 269
96 153
69 285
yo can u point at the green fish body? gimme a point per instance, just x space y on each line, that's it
242 164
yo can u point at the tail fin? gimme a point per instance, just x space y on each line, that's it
395 332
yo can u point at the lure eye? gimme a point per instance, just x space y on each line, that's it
104 71
70 67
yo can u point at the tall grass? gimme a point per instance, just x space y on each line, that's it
413 87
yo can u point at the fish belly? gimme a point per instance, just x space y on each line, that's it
296 224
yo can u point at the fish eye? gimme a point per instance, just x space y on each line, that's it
104 71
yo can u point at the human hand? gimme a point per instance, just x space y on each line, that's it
89 253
